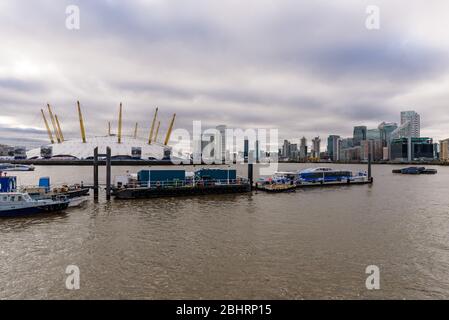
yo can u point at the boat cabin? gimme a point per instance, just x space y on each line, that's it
8 184
15 197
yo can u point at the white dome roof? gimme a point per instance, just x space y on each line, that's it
80 150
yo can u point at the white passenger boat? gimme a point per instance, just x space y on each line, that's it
15 167
329 175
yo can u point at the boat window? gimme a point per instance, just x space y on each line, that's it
19 198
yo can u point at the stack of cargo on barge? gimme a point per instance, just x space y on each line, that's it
44 190
172 183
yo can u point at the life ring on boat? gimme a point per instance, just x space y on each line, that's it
158 184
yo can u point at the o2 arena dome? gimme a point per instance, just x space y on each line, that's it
122 147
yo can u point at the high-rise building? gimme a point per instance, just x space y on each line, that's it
316 147
303 149
6 150
294 154
386 130
373 134
286 149
221 153
208 146
373 147
346 143
385 153
359 135
333 147
444 150
410 124
412 149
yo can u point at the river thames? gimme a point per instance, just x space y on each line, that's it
311 244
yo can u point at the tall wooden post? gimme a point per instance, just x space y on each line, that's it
108 173
120 124
370 178
96 173
248 158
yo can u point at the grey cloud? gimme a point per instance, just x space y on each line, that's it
14 84
305 67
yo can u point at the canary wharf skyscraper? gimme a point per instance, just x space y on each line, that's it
413 129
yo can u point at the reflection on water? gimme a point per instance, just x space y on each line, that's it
314 243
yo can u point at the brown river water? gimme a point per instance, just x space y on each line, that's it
311 244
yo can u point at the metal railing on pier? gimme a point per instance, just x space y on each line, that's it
185 183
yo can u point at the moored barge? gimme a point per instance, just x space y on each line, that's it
415 170
174 183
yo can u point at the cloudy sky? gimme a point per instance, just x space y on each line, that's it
305 67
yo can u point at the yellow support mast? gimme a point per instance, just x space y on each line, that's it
120 124
135 130
170 128
157 131
50 136
59 128
80 115
150 140
53 122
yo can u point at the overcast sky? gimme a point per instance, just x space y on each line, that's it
306 67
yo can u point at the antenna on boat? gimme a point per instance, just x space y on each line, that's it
53 122
59 128
170 128
50 136
80 115
109 128
152 126
120 124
